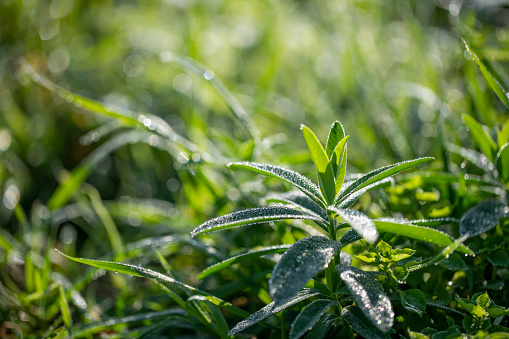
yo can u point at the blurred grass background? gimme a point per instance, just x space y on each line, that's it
388 70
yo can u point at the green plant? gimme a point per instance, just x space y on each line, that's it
329 207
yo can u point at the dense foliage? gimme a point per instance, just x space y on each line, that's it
131 131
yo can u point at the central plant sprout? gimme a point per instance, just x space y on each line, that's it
328 205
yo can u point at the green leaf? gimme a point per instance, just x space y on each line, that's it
309 316
478 159
323 326
299 200
502 162
369 296
300 264
220 323
336 134
483 217
384 249
378 174
481 137
503 135
402 253
494 83
414 301
338 162
272 308
252 216
238 258
367 257
467 304
156 276
64 308
326 177
362 325
286 175
421 233
498 258
483 300
352 198
360 222
497 311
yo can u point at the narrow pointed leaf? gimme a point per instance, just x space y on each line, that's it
156 276
326 176
300 200
64 307
483 217
369 295
494 83
238 258
252 216
299 264
341 172
421 233
220 323
337 161
336 134
481 138
476 158
379 174
354 317
349 237
272 308
360 222
502 162
289 176
414 301
309 316
352 198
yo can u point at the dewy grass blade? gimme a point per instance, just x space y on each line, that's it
294 178
326 176
481 137
252 216
379 174
238 258
494 83
401 227
156 276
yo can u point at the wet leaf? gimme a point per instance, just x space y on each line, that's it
322 327
252 216
481 137
352 198
326 177
299 264
300 200
483 217
360 222
309 316
478 159
378 174
272 308
494 83
414 300
369 295
338 163
354 317
238 258
289 176
349 237
399 226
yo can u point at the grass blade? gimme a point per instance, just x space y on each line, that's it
494 83
481 137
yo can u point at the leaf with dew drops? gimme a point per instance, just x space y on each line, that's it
299 200
309 316
369 295
323 326
422 233
378 174
354 317
360 222
481 137
252 216
299 264
287 175
272 308
352 198
155 276
238 258
483 217
476 158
